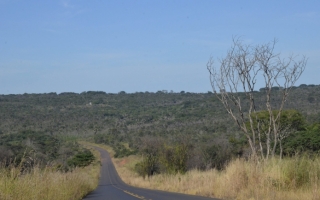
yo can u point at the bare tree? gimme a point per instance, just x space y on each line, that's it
150 147
234 83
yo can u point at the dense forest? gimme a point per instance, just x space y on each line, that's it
196 120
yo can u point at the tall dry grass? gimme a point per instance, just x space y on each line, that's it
292 178
48 183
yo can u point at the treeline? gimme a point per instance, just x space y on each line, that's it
141 113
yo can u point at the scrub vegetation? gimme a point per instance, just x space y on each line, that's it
186 140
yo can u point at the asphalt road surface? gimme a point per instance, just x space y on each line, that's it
111 187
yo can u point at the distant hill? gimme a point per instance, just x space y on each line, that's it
127 116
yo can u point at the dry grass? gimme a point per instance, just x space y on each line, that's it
296 178
48 183
274 179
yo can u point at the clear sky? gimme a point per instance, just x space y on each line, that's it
142 45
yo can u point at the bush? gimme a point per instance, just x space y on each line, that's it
175 159
147 167
81 159
304 141
121 151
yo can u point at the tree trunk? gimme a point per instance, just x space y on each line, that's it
280 143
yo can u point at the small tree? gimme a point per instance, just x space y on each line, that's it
290 121
175 158
150 149
234 83
81 159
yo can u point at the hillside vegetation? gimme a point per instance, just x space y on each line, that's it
114 118
169 134
135 114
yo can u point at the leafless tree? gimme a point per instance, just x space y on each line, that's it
234 82
283 133
150 147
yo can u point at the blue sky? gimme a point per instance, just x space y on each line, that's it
142 45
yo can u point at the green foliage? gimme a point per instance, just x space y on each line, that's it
159 157
288 118
171 160
303 141
37 146
216 157
30 148
103 139
81 159
114 139
56 120
142 113
292 118
148 166
238 144
174 158
122 151
150 148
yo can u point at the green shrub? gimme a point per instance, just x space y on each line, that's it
303 141
175 158
148 166
121 151
81 159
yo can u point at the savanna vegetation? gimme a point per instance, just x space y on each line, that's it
176 137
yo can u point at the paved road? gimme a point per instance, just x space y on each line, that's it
111 187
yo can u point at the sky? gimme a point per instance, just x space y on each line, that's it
143 45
